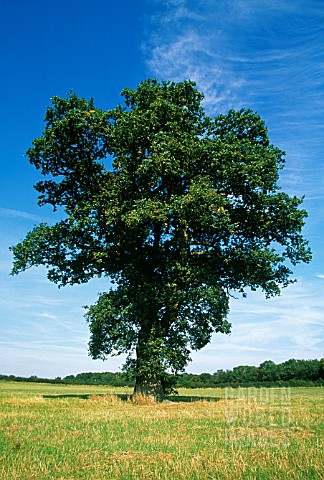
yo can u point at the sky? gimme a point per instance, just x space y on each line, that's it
267 55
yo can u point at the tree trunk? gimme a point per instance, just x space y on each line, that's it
148 367
150 387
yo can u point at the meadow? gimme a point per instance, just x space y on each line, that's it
89 432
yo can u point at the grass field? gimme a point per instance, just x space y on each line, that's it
71 432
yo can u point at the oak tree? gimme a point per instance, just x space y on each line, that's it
178 209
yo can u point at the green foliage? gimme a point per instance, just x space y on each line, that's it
189 211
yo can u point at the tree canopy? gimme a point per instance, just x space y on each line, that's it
178 209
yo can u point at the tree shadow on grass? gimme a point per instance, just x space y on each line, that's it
188 399
68 395
86 396
128 397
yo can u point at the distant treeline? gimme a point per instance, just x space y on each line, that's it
268 374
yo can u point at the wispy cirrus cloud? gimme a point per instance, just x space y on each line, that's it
49 359
8 212
263 55
289 326
179 45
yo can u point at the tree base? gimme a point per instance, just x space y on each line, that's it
149 388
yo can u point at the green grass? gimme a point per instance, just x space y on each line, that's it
71 432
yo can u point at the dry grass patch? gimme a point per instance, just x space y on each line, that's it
102 435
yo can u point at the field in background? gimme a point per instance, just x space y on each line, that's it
73 432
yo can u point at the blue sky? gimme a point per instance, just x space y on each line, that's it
267 55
